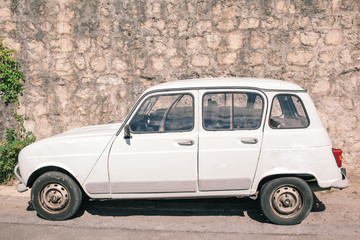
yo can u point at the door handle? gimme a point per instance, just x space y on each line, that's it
249 140
187 142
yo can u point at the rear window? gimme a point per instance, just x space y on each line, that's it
288 111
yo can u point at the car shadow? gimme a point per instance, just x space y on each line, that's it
318 206
179 207
175 207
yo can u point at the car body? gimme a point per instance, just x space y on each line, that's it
197 138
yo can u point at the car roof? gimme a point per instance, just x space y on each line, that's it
248 83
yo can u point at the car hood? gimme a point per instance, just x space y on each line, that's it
79 141
90 131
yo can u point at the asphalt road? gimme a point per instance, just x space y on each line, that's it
336 215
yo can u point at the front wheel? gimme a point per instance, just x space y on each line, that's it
55 196
286 201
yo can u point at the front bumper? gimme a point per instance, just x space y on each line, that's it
342 183
21 187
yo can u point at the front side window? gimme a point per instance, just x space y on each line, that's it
232 111
164 113
287 111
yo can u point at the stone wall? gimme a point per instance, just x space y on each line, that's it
86 62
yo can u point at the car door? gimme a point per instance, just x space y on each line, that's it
230 138
160 153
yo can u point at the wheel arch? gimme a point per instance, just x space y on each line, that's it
36 174
306 177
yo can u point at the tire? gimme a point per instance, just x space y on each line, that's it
286 201
56 196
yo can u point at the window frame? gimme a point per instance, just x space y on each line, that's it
232 110
160 95
302 104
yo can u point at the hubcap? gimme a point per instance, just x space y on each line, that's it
54 197
286 201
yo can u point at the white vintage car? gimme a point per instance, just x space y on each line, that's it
193 138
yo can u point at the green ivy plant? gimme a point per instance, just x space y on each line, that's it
10 75
11 79
10 147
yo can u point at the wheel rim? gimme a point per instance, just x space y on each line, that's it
54 197
286 201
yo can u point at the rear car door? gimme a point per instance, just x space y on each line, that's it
230 138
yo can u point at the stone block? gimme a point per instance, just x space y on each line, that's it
5 13
176 61
326 57
157 63
104 42
256 41
161 24
235 40
13 43
63 28
43 127
83 44
109 79
200 61
249 23
62 45
213 41
227 58
254 59
8 26
345 57
280 7
275 58
80 62
194 43
40 109
62 95
183 25
321 87
105 12
36 48
333 37
226 25
140 63
63 65
270 23
203 26
98 63
309 38
119 65
299 57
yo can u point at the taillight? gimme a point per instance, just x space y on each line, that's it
338 156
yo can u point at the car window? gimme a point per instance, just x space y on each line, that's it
287 111
232 111
164 113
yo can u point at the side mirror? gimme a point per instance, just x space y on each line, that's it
127 132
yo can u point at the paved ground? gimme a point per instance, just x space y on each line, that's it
336 215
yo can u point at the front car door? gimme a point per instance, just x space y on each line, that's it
230 138
161 154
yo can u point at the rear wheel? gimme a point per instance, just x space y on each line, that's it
286 201
55 196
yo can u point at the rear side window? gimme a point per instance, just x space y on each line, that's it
287 111
232 111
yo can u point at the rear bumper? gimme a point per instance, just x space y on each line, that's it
21 187
342 183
